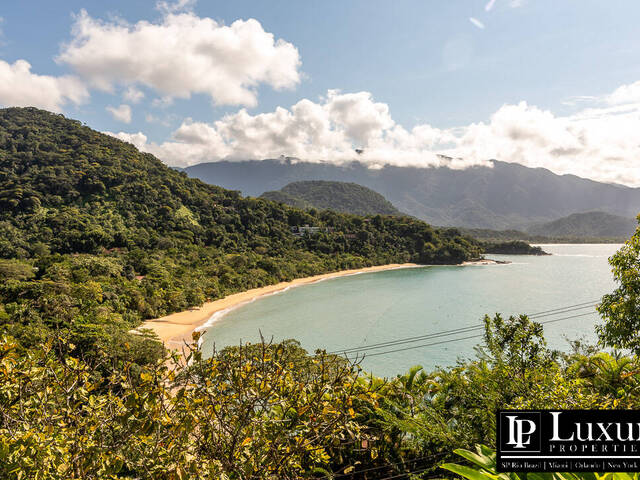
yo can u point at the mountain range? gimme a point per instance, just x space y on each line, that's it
501 196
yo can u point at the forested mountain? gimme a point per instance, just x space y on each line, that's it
505 236
96 236
507 196
339 196
589 224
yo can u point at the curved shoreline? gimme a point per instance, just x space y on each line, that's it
176 329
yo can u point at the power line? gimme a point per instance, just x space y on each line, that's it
422 346
466 338
591 303
402 341
386 465
451 332
406 474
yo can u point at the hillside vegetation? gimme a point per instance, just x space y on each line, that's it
488 235
514 247
96 236
587 225
499 197
339 196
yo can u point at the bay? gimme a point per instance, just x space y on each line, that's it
360 311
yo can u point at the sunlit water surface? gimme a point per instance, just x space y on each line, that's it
366 309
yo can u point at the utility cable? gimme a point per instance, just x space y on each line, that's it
466 329
465 338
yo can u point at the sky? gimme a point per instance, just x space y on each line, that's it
543 83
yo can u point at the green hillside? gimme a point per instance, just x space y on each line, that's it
589 224
339 196
282 197
500 236
96 236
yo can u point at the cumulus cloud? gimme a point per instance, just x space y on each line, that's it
181 55
139 140
328 130
599 142
19 87
625 94
121 113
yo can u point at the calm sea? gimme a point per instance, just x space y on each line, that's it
368 309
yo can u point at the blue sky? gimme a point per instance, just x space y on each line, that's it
460 68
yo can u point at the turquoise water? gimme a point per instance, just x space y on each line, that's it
366 309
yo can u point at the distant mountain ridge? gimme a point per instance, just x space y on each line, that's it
588 224
506 196
343 197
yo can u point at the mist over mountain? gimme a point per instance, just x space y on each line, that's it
339 196
506 196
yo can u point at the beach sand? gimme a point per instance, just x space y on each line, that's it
176 329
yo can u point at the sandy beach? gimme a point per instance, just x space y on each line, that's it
177 328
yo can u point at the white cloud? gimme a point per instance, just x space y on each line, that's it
477 23
599 143
178 6
578 99
489 5
121 113
133 95
19 87
625 94
138 139
182 55
329 130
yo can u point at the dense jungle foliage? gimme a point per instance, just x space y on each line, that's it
514 247
96 236
344 197
275 412
501 236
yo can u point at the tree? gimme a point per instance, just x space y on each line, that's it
621 308
262 411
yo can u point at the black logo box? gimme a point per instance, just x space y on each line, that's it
568 440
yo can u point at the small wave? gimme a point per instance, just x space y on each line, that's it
579 255
221 313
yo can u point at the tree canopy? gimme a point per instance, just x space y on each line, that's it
621 308
96 236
